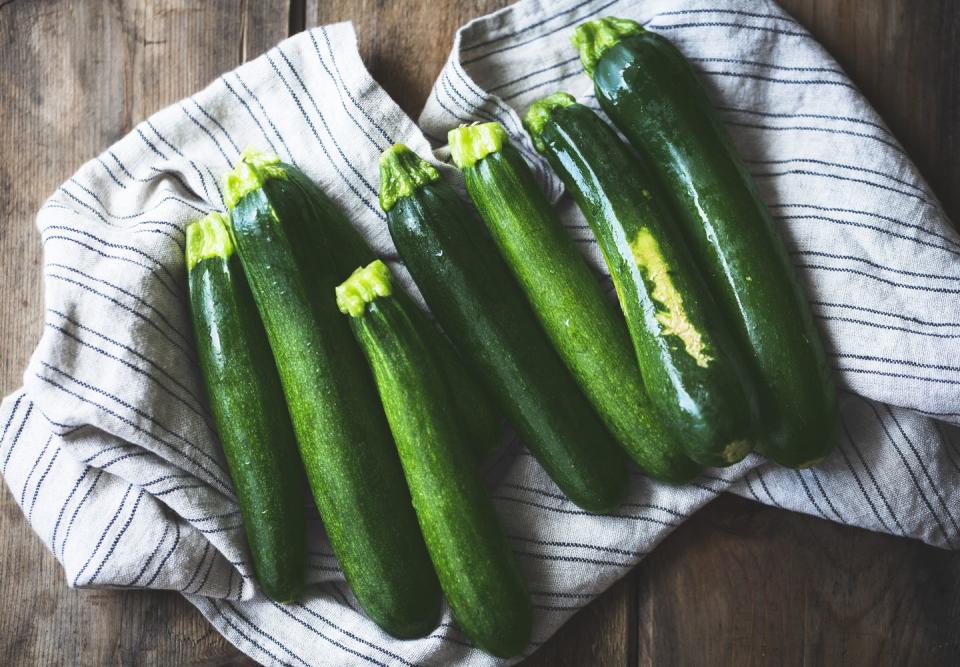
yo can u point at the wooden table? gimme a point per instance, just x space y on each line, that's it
738 584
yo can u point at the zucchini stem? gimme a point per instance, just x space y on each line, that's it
402 172
208 237
593 38
541 111
363 286
253 168
471 143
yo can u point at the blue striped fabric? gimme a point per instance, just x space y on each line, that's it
108 447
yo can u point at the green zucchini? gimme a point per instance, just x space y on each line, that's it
345 444
248 409
566 297
334 230
692 365
476 300
477 569
653 95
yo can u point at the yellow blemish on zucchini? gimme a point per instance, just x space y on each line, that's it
735 450
673 316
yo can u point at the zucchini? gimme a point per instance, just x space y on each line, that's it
691 362
566 297
248 409
476 300
477 569
344 440
334 230
653 95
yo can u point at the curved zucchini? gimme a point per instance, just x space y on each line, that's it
651 92
691 362
341 429
476 300
477 569
566 297
334 230
248 408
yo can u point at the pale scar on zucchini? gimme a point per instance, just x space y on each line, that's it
673 316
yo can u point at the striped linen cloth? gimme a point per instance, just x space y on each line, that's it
108 447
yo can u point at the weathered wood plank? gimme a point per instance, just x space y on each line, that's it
75 77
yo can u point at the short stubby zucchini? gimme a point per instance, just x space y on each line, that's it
345 443
691 360
334 230
477 301
653 95
566 297
477 569
248 408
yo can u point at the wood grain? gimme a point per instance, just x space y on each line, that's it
738 584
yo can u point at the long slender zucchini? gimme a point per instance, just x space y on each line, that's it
248 408
566 297
691 362
334 230
344 440
651 92
476 300
477 569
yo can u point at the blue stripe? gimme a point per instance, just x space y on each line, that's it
869 214
876 486
76 510
356 638
323 146
338 86
63 507
806 490
111 174
16 438
766 489
863 260
886 327
103 535
735 12
530 26
822 130
43 477
134 425
179 488
216 122
913 476
920 288
207 132
137 370
263 633
841 165
901 376
765 65
197 401
863 225
823 492
575 559
817 116
881 312
723 24
187 352
119 535
203 180
579 545
538 37
33 468
635 517
93 195
564 498
266 115
153 554
334 642
203 582
526 76
849 179
249 111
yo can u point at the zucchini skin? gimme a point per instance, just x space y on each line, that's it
474 297
572 309
651 92
251 417
344 440
711 406
471 555
335 231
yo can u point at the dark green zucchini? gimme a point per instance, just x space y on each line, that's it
651 92
334 230
477 569
691 361
247 405
344 440
476 300
566 297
